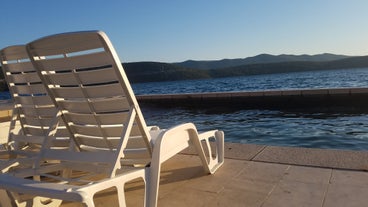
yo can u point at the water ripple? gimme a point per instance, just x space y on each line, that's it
268 127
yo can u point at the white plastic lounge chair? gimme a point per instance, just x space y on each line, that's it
32 117
33 110
88 84
100 134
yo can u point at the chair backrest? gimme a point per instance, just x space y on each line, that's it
33 111
88 84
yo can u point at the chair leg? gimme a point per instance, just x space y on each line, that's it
121 194
220 138
153 184
146 180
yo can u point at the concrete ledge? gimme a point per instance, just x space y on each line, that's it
325 158
356 98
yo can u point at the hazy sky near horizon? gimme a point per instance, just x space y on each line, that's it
175 31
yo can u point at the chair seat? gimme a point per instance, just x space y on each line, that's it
67 191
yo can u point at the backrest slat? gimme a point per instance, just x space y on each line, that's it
97 91
28 90
40 121
22 78
31 100
89 119
39 112
57 44
20 66
99 105
59 63
85 76
98 132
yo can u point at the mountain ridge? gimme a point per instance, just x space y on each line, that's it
156 72
261 58
287 67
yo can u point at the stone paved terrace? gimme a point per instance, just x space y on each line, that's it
259 176
255 176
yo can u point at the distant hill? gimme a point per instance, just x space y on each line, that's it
155 71
259 59
286 67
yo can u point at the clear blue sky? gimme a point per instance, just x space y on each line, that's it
178 30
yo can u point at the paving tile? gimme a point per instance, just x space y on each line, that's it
293 193
218 190
234 150
238 198
177 171
245 192
209 183
242 151
231 168
223 176
340 159
341 195
263 171
308 174
184 197
348 177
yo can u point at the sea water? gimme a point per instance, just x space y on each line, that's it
332 130
345 78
